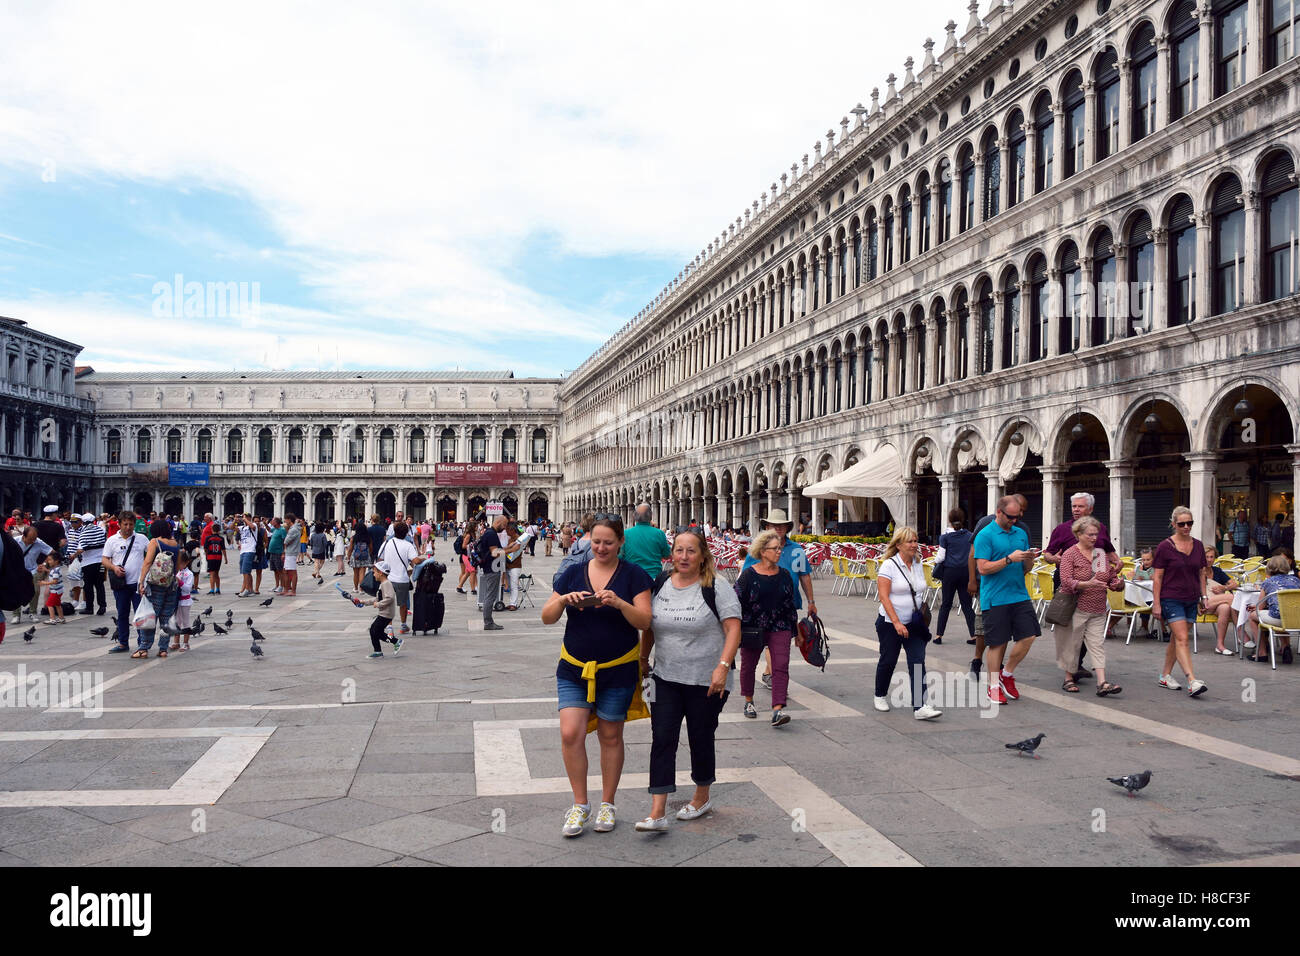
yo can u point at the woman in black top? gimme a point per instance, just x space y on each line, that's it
766 595
954 574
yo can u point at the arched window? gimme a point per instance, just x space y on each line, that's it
1278 201
1185 60
871 264
1229 45
1071 328
1075 105
943 229
1146 62
416 449
1103 278
1106 78
963 335
992 174
174 447
113 443
204 450
509 443
387 447
1182 262
986 313
1227 245
1283 17
325 447
295 446
923 227
905 226
357 446
234 447
265 446
888 258
1016 156
1045 142
143 446
478 446
1141 276
447 445
1039 308
1011 319
539 446
966 162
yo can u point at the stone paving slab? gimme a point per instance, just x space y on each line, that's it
377 763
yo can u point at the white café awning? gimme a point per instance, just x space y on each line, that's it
879 475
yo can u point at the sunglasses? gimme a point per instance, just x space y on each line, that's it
1184 524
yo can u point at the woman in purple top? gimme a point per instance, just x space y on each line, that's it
1179 583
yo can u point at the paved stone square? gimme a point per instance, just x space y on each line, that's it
449 754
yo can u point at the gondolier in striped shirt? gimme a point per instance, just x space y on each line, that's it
89 547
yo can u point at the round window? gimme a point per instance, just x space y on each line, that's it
888 163
925 136
988 87
943 122
905 150
1103 7
1040 49
871 174
1071 26
965 105
1013 70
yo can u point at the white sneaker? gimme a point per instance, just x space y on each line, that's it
243 594
689 812
575 820
882 704
927 712
1196 688
605 818
1249 645
652 824
16 619
1167 680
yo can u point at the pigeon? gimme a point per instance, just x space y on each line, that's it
257 651
29 634
249 622
1028 746
99 631
267 602
1132 782
257 635
229 614
208 612
114 620
218 628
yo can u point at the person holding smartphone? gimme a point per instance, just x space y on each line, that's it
606 602
1003 557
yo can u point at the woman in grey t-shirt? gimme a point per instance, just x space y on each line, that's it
695 649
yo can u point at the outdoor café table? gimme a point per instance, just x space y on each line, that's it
1138 592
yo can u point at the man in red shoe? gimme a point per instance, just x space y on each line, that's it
1003 558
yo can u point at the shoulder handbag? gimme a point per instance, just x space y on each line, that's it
116 583
922 611
751 635
1060 611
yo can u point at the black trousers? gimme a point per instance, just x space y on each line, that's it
93 582
890 645
377 632
955 581
674 701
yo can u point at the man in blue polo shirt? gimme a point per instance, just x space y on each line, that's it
793 558
1008 613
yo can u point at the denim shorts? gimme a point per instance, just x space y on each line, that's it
611 702
1172 610
246 562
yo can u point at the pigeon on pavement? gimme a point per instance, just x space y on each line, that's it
257 651
1028 746
267 602
208 612
257 635
99 631
1132 782
218 628
29 634
249 622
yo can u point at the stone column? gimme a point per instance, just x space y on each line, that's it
1250 278
952 360
1026 317
1205 78
1089 304
1162 81
818 516
931 376
979 188
1058 141
1000 358
461 506
1203 298
1121 489
340 504
1125 106
1053 499
1204 469
1294 452
1158 298
994 490
1004 170
947 498
1055 312
1089 157
1031 155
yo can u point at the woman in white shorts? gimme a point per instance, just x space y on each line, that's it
291 563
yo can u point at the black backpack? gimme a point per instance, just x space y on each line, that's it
16 585
710 596
459 546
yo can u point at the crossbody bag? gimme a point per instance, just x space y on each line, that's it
119 584
921 611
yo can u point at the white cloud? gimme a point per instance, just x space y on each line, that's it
406 153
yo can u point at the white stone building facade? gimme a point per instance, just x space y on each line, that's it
1061 255
324 444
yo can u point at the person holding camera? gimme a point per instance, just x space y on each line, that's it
902 624
490 550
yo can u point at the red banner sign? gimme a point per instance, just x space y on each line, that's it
459 474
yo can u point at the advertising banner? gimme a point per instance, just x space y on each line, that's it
189 475
461 474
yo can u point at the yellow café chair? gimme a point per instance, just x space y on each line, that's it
1118 607
1288 606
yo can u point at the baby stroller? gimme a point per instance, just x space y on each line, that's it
428 604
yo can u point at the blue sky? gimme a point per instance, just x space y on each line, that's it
409 187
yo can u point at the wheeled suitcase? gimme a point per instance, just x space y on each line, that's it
430 606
